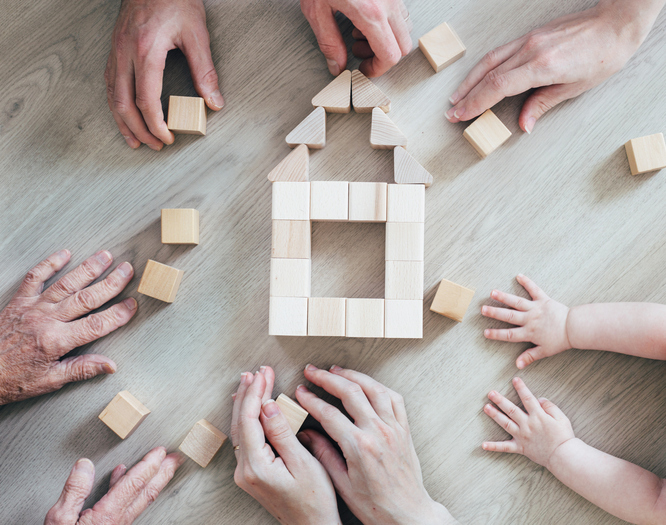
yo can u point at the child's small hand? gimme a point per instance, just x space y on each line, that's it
536 434
542 321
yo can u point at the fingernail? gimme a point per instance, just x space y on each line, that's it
335 368
108 368
493 294
262 369
304 439
311 368
529 126
154 147
520 364
125 269
270 408
301 388
130 304
243 378
515 379
459 112
333 67
163 452
104 257
492 393
486 333
450 112
520 276
484 446
63 254
131 142
484 309
85 465
233 396
454 98
216 100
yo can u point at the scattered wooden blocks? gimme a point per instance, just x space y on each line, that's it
288 316
336 97
366 96
292 411
187 115
124 414
384 134
311 132
441 47
486 134
326 316
291 240
403 280
406 203
646 154
404 319
367 201
295 167
329 201
180 226
404 241
365 317
202 442
290 278
406 169
160 281
452 300
291 201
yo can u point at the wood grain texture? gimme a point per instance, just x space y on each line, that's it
452 300
311 132
384 134
366 95
180 226
124 414
202 442
486 133
160 281
646 154
407 170
558 205
291 410
441 46
336 97
295 167
187 115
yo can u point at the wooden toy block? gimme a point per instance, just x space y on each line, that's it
290 278
452 300
295 167
404 241
326 316
202 442
365 317
367 201
288 316
486 134
292 411
406 203
291 201
187 115
404 319
160 281
366 96
384 134
291 240
646 154
180 226
329 201
406 169
441 47
336 97
403 280
124 414
311 132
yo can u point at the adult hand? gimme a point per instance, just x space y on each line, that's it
38 327
381 30
379 476
294 487
145 31
128 496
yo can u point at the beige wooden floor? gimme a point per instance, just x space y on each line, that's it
558 205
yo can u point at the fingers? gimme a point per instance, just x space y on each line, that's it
79 278
269 375
79 368
529 401
513 301
362 49
137 478
535 292
33 283
512 335
279 434
245 381
542 100
401 32
504 314
511 410
374 391
117 474
382 40
334 422
251 436
551 409
324 451
327 33
529 356
98 325
196 48
499 418
77 488
153 488
501 446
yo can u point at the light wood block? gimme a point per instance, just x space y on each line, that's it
202 442
180 226
365 317
441 46
292 411
384 134
160 281
187 115
404 241
290 278
311 131
452 300
124 414
367 201
336 97
291 240
406 203
646 154
366 96
291 201
288 316
295 167
403 280
404 319
486 134
326 316
329 201
407 170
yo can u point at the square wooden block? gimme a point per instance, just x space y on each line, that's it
288 316
290 277
367 201
326 316
187 115
329 201
406 203
124 414
202 442
291 201
292 411
646 154
160 281
365 317
404 319
403 280
404 241
291 239
486 134
452 300
442 47
180 226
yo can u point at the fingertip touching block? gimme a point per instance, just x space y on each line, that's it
336 97
202 442
291 240
486 134
384 134
404 241
407 170
311 131
329 201
646 154
294 413
452 300
441 46
124 414
367 201
365 317
187 115
295 167
290 277
180 226
291 201
406 203
403 280
288 316
366 96
160 281
326 316
404 319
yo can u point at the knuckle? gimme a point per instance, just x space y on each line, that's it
496 80
490 58
95 324
79 373
151 494
371 10
534 42
210 77
507 425
143 102
33 276
353 390
366 444
144 44
85 300
329 412
122 107
509 335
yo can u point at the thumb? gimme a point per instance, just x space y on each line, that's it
79 368
529 356
77 488
551 409
196 48
279 433
324 451
542 100
327 33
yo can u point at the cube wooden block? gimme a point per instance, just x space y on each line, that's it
404 319
291 201
202 442
288 316
367 201
403 280
404 241
365 317
406 203
326 316
452 300
180 226
486 134
329 201
124 414
160 281
291 239
290 277
646 154
292 411
442 47
187 115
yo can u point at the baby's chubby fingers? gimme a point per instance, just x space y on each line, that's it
509 446
535 292
510 409
513 301
529 401
505 314
498 417
513 335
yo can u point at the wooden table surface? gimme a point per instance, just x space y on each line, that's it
559 206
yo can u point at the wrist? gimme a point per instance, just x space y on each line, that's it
554 459
439 515
631 19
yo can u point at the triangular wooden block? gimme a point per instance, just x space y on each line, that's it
311 132
384 133
336 97
406 169
295 167
366 96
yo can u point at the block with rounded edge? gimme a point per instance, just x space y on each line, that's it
295 167
329 201
202 442
290 277
124 414
441 46
292 411
486 134
365 317
646 154
187 115
160 281
311 131
180 226
452 300
404 319
366 95
384 134
326 316
367 201
406 203
336 96
288 316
